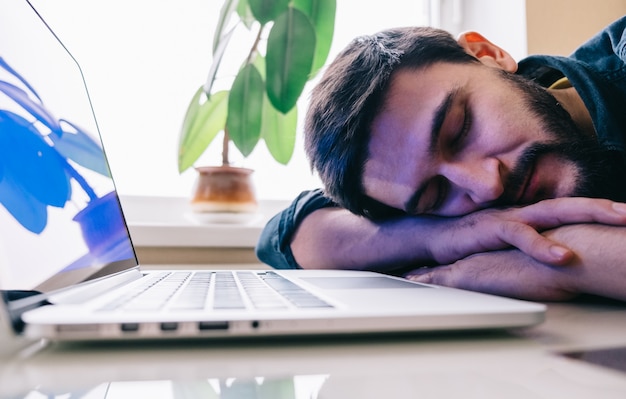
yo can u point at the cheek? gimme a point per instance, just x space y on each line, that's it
386 184
508 117
502 136
393 167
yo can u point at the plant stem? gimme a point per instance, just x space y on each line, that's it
225 142
253 49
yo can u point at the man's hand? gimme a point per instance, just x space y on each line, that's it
508 273
493 229
596 268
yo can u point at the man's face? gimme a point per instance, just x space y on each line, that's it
455 138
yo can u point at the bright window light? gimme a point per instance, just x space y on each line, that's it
144 59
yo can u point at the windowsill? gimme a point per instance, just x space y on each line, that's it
169 222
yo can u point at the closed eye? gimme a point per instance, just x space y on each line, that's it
433 196
459 138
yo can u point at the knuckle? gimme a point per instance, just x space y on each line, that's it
513 230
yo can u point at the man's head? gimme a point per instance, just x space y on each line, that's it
349 95
412 121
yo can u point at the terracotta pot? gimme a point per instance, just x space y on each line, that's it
224 189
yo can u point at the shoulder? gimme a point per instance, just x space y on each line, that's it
607 48
273 246
603 54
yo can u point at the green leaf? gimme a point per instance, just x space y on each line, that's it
259 63
290 51
322 15
227 10
267 10
218 54
243 10
279 131
204 119
245 107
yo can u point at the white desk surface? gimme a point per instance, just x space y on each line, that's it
524 364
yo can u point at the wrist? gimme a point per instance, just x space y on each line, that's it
418 239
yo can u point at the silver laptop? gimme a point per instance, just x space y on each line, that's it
68 270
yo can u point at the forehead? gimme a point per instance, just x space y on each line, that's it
400 132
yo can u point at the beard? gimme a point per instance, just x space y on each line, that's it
599 170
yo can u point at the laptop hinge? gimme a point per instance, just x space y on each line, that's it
15 314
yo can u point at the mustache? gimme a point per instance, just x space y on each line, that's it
519 174
583 153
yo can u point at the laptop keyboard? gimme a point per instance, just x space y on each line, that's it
221 290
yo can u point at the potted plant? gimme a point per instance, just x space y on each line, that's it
261 101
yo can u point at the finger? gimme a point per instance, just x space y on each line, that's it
535 245
560 211
427 275
489 281
453 275
499 275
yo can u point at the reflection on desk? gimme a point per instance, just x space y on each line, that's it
524 364
298 387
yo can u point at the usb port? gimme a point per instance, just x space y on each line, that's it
212 325
129 327
169 326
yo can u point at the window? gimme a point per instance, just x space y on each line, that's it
144 59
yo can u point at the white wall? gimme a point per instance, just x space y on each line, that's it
143 59
501 21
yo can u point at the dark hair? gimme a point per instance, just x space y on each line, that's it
348 97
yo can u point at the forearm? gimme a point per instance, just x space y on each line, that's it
334 238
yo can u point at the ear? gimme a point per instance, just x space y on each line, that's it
488 53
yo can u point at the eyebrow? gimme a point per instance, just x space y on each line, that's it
435 131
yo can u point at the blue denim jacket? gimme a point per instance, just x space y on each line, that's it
597 70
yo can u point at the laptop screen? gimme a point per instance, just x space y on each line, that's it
60 217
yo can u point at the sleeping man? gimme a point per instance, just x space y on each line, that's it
447 162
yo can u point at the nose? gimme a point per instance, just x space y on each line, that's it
480 181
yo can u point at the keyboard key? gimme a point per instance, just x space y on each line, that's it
297 295
193 296
227 294
261 296
176 291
